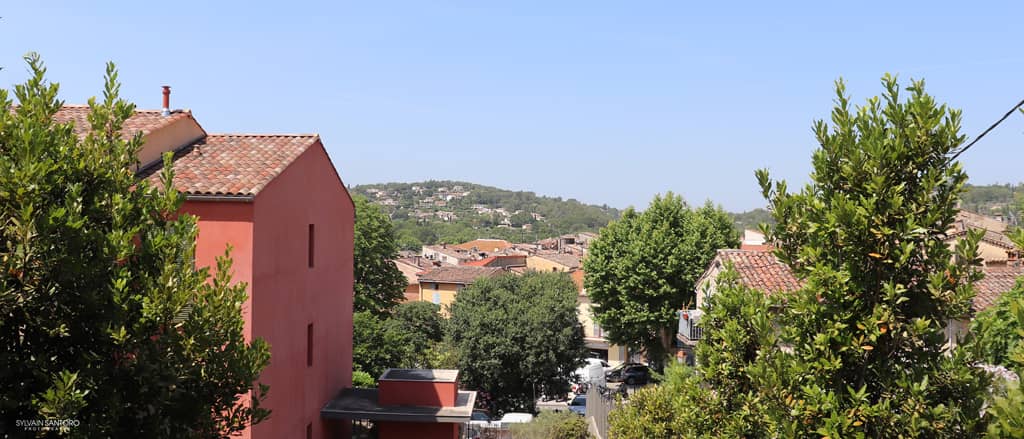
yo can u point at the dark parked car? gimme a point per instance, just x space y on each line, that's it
629 373
578 405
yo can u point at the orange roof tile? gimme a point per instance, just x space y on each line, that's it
761 270
232 164
460 274
997 280
144 121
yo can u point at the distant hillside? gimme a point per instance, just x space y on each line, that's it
1005 200
751 219
434 212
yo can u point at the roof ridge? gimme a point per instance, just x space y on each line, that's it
263 135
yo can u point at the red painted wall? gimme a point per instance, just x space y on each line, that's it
402 430
288 294
220 224
432 394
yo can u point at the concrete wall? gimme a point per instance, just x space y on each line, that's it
446 291
288 294
182 132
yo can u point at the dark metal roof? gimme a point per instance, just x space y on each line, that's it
431 375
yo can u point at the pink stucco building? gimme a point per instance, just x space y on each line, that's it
278 201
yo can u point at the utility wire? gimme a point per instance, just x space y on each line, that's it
983 133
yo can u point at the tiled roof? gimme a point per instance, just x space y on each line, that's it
760 270
144 121
994 229
232 164
570 261
460 274
997 280
484 245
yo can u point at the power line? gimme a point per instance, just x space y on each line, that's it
983 133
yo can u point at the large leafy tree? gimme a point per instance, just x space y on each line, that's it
379 284
643 268
866 235
859 351
103 318
407 338
518 337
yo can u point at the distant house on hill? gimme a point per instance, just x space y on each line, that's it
446 255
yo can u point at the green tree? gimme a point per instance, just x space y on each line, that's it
643 268
866 235
379 343
859 350
103 317
379 284
735 391
518 337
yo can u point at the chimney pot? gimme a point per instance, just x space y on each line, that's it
167 101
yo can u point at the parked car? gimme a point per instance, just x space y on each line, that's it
629 373
514 418
578 405
582 374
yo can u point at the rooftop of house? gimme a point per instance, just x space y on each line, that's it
994 229
484 245
759 269
762 271
232 164
459 274
997 280
142 121
449 251
565 259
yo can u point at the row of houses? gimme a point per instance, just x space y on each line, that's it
440 272
758 268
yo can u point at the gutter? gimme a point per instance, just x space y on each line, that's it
221 198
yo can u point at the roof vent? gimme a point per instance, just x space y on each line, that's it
167 101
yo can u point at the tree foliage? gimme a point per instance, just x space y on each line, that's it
643 268
552 425
859 350
408 338
103 318
518 337
379 284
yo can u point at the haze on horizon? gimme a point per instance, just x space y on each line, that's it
608 104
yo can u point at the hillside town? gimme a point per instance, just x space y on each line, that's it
176 262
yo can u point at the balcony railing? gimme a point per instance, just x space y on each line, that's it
689 324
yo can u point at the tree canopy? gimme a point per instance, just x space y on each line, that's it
379 284
518 337
859 350
103 318
643 268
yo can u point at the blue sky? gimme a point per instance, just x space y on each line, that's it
606 102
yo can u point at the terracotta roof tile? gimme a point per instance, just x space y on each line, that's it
460 274
570 261
144 121
997 280
232 164
761 270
